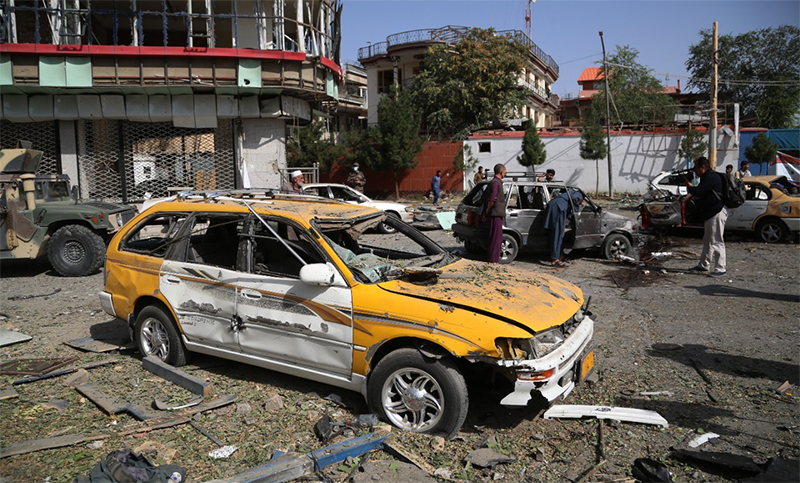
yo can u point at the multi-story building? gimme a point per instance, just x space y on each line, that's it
132 97
402 55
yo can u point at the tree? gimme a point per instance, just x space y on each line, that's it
636 95
391 146
312 144
758 69
763 150
693 145
467 85
465 160
533 151
593 146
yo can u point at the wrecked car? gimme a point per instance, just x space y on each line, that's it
526 202
347 194
768 210
296 284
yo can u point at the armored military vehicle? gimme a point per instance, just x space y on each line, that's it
40 215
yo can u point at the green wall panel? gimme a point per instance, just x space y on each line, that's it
6 78
52 71
249 73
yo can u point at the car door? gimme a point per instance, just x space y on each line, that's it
588 223
200 276
525 214
283 319
755 204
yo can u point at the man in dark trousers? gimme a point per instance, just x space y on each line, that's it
495 212
708 195
436 184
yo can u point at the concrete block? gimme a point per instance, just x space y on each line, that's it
40 108
160 108
113 106
183 111
137 108
65 107
177 376
15 108
89 107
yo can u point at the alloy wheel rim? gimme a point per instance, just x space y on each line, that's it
155 340
413 400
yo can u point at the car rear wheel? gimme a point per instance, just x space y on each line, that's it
616 245
76 251
157 335
509 249
386 229
772 230
419 394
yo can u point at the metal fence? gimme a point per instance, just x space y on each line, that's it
42 136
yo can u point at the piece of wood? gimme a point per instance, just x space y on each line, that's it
48 443
70 370
398 450
8 393
111 405
206 434
177 376
103 342
219 402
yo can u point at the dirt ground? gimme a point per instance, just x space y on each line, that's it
714 352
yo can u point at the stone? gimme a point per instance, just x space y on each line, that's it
243 408
274 403
81 376
487 458
437 443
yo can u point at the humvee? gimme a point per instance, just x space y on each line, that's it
40 215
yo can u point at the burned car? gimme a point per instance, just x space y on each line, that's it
526 202
296 284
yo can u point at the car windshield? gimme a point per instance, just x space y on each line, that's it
374 257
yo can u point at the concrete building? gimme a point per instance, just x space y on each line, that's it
133 97
403 53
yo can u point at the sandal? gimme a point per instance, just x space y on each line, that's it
559 264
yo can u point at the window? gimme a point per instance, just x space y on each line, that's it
385 81
282 255
155 235
345 194
485 147
214 240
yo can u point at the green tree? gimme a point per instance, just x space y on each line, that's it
467 85
533 151
759 69
693 145
762 150
465 160
391 146
312 144
593 146
636 95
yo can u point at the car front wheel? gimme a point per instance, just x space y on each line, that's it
616 245
772 230
156 335
419 394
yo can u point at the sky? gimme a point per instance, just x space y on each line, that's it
567 30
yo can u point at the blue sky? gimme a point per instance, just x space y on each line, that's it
567 30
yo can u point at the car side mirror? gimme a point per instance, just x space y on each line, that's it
318 274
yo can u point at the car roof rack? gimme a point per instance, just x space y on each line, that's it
247 194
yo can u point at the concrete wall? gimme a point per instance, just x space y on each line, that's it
261 152
636 158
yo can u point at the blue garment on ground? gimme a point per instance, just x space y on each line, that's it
555 220
435 184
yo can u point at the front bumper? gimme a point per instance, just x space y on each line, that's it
565 363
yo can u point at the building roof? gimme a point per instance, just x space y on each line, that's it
591 74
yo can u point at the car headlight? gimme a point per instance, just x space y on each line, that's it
547 341
410 209
119 219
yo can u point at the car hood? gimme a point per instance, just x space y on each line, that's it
530 299
615 218
387 205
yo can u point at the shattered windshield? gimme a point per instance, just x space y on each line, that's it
373 257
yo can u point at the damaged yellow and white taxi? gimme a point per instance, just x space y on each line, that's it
305 286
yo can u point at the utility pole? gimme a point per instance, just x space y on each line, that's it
608 121
712 128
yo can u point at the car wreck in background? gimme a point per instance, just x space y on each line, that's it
41 216
769 210
295 284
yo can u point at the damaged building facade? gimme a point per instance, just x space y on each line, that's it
134 98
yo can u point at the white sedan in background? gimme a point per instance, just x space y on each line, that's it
349 195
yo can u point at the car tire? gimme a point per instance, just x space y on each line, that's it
617 244
386 229
76 251
156 335
772 230
509 248
438 402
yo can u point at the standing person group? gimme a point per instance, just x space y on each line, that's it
555 222
494 210
356 179
711 209
436 183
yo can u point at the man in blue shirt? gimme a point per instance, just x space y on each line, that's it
711 209
435 186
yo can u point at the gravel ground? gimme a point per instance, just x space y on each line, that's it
715 349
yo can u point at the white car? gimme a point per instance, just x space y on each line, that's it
349 195
671 182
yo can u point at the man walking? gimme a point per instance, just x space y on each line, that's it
436 183
713 212
495 212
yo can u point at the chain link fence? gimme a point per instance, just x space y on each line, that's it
42 136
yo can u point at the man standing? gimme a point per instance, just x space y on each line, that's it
495 212
436 183
356 179
555 222
547 176
713 211
479 176
744 172
295 185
